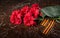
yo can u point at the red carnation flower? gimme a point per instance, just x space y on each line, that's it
29 20
24 10
15 18
34 11
35 5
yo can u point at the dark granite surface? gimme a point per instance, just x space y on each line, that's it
8 30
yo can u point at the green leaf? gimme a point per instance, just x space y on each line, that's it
51 11
58 19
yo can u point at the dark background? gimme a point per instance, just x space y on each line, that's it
8 30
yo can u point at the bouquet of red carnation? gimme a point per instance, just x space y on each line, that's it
26 15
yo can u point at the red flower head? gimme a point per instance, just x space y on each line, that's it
15 17
35 5
34 10
24 10
29 20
